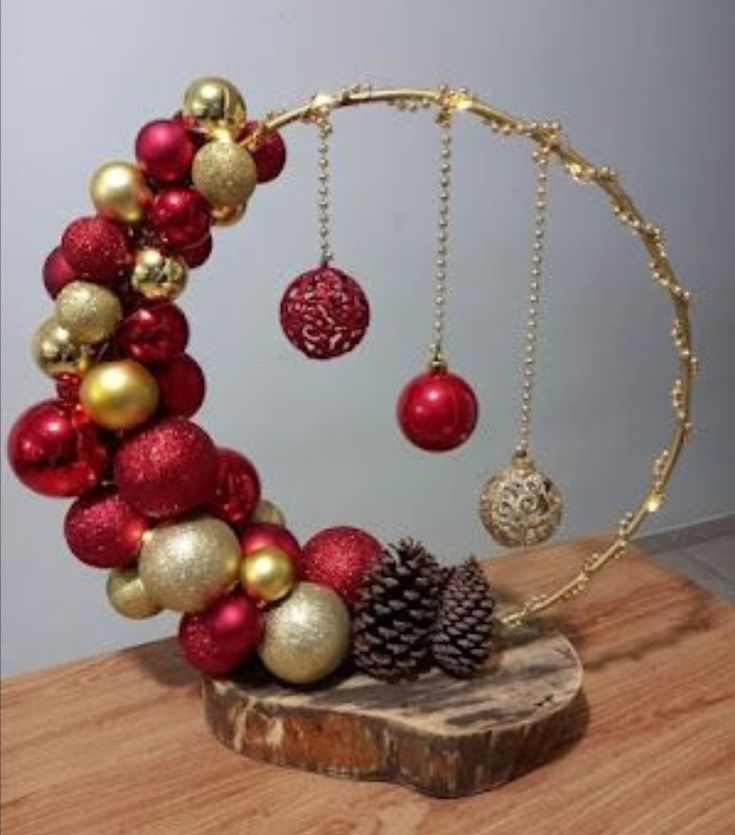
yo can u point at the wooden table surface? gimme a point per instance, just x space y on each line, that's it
117 744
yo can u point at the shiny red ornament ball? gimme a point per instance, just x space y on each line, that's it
180 218
340 558
167 469
260 535
104 531
238 488
57 272
181 386
437 411
154 334
269 155
95 249
324 313
165 150
196 255
55 450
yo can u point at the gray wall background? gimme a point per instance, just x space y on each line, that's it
645 87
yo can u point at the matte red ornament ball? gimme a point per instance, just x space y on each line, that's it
96 249
57 272
340 558
104 531
181 386
154 334
55 450
238 487
437 411
196 255
165 150
180 217
269 155
223 638
259 535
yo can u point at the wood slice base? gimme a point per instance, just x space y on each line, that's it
438 735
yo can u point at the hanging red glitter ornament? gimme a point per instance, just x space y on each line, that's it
269 153
96 249
165 150
324 313
259 535
180 217
57 272
55 450
181 386
154 334
238 488
196 255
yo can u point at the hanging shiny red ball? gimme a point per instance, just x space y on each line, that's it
269 155
324 313
437 411
238 488
180 218
165 150
154 334
57 272
181 386
259 535
96 249
206 639
196 255
55 450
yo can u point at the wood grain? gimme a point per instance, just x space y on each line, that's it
117 744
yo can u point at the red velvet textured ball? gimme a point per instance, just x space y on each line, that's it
437 411
57 272
181 386
154 334
196 255
55 450
165 150
180 217
167 469
104 531
238 488
265 535
339 558
269 155
204 648
95 249
324 313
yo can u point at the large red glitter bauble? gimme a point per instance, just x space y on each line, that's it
238 488
339 558
181 386
180 217
154 334
260 535
196 255
57 272
437 411
269 155
95 249
104 531
167 469
55 450
165 150
324 313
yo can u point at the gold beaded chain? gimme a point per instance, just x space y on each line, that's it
324 129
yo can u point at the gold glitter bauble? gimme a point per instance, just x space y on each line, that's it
267 575
521 506
268 511
158 276
307 636
224 174
119 395
89 312
216 105
120 192
128 596
55 352
187 565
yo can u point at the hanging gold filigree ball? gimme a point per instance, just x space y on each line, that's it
521 506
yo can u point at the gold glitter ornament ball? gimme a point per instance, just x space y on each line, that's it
118 395
89 312
224 174
307 636
521 506
187 565
158 276
268 511
216 106
120 192
267 575
128 596
55 352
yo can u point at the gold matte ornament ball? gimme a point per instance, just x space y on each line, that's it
120 192
216 105
55 352
157 276
268 511
307 636
128 596
119 395
224 174
187 565
89 312
267 575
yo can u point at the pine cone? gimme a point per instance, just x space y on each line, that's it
460 643
396 611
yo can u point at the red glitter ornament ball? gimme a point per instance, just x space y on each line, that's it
269 155
196 255
95 249
104 531
437 411
55 450
165 150
238 488
260 535
324 313
339 558
180 217
67 387
57 272
154 334
181 386
167 469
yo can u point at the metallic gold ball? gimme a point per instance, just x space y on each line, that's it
158 276
119 395
224 174
187 565
216 105
120 192
226 216
55 352
267 575
89 312
307 636
268 511
128 596
521 506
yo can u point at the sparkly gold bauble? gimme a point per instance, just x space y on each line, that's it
55 352
158 276
89 312
307 636
128 596
226 216
521 506
268 511
119 395
224 174
216 105
187 565
267 575
120 192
